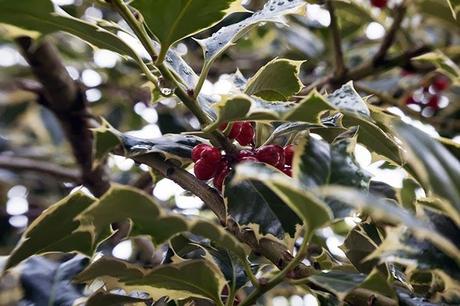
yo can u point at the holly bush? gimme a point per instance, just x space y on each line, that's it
313 156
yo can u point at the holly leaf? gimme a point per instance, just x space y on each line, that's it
40 15
313 212
385 210
276 81
312 162
193 278
273 11
174 147
41 236
346 99
85 222
173 20
246 108
436 168
444 64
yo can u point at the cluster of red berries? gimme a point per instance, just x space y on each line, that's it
427 99
210 163
379 3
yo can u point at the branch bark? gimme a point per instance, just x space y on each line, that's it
42 167
389 38
340 68
66 100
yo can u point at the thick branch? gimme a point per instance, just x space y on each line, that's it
340 68
41 167
67 101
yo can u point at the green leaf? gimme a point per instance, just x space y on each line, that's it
356 113
194 278
110 299
173 20
385 210
83 223
174 147
39 15
266 209
106 139
312 162
444 64
407 195
245 108
273 11
313 212
361 242
338 282
42 237
346 99
454 6
276 81
436 168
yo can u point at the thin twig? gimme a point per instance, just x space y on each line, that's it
340 68
389 38
41 167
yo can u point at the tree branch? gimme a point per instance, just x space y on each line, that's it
367 69
42 167
340 68
67 101
388 40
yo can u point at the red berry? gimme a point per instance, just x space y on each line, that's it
198 150
223 126
441 83
249 158
411 100
211 155
379 3
287 170
221 174
433 102
288 154
236 130
272 155
246 135
245 153
203 170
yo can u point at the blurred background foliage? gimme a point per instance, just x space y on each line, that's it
415 90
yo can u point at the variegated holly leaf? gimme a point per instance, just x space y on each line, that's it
105 298
342 283
348 100
248 108
40 16
435 167
444 64
276 81
356 113
312 211
42 237
85 222
173 20
273 11
174 147
382 209
454 6
194 278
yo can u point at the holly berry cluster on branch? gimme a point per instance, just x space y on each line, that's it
430 96
212 163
